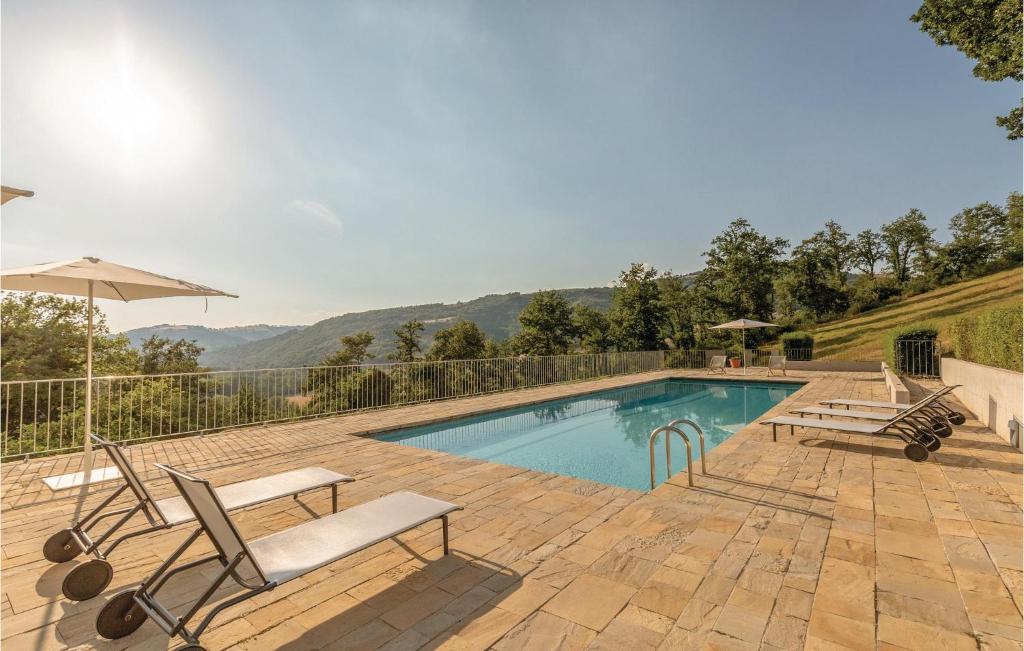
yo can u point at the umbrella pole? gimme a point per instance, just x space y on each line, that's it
87 460
743 350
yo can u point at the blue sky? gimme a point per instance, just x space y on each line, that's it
319 157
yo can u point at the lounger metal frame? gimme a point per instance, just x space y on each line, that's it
175 625
79 530
900 426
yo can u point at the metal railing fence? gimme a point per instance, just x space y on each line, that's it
917 357
39 417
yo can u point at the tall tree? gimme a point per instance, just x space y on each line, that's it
988 31
681 311
977 238
546 324
354 350
407 341
742 265
44 336
463 340
592 328
906 239
867 252
637 314
1011 247
163 355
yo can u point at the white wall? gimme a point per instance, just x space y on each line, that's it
994 395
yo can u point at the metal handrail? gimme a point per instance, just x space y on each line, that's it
700 436
668 452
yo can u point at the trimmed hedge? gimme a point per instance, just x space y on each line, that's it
798 346
992 338
916 358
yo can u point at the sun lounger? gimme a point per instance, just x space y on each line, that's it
776 363
265 563
920 438
954 417
925 414
716 364
90 578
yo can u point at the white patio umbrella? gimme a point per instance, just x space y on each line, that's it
95 278
743 324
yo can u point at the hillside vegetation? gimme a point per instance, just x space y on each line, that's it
863 334
496 315
210 339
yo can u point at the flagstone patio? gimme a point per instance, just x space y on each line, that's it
819 540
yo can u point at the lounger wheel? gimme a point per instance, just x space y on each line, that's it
87 580
191 647
121 616
933 445
943 431
61 547
957 418
916 452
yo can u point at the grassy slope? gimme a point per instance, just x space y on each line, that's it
864 334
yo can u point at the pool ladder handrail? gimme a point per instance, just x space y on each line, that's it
669 429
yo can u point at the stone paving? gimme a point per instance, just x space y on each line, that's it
817 541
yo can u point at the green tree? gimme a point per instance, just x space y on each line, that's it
163 355
906 242
1011 247
681 311
866 252
464 340
354 350
977 238
988 31
44 336
407 341
592 327
637 314
742 265
547 326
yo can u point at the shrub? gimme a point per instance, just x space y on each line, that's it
910 349
798 346
992 338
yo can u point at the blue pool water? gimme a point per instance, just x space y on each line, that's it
603 436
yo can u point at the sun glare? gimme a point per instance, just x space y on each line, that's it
113 105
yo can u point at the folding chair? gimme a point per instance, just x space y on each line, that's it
776 363
89 579
265 563
716 364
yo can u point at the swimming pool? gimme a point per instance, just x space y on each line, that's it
603 436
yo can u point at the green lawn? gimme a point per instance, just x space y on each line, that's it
863 335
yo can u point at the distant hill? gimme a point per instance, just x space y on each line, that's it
211 339
496 314
864 334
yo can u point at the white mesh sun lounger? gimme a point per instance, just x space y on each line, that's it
919 436
267 562
90 578
716 364
954 417
776 363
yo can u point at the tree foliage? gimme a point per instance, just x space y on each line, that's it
464 340
637 314
547 326
354 350
592 327
906 241
740 272
44 336
987 31
407 341
162 355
